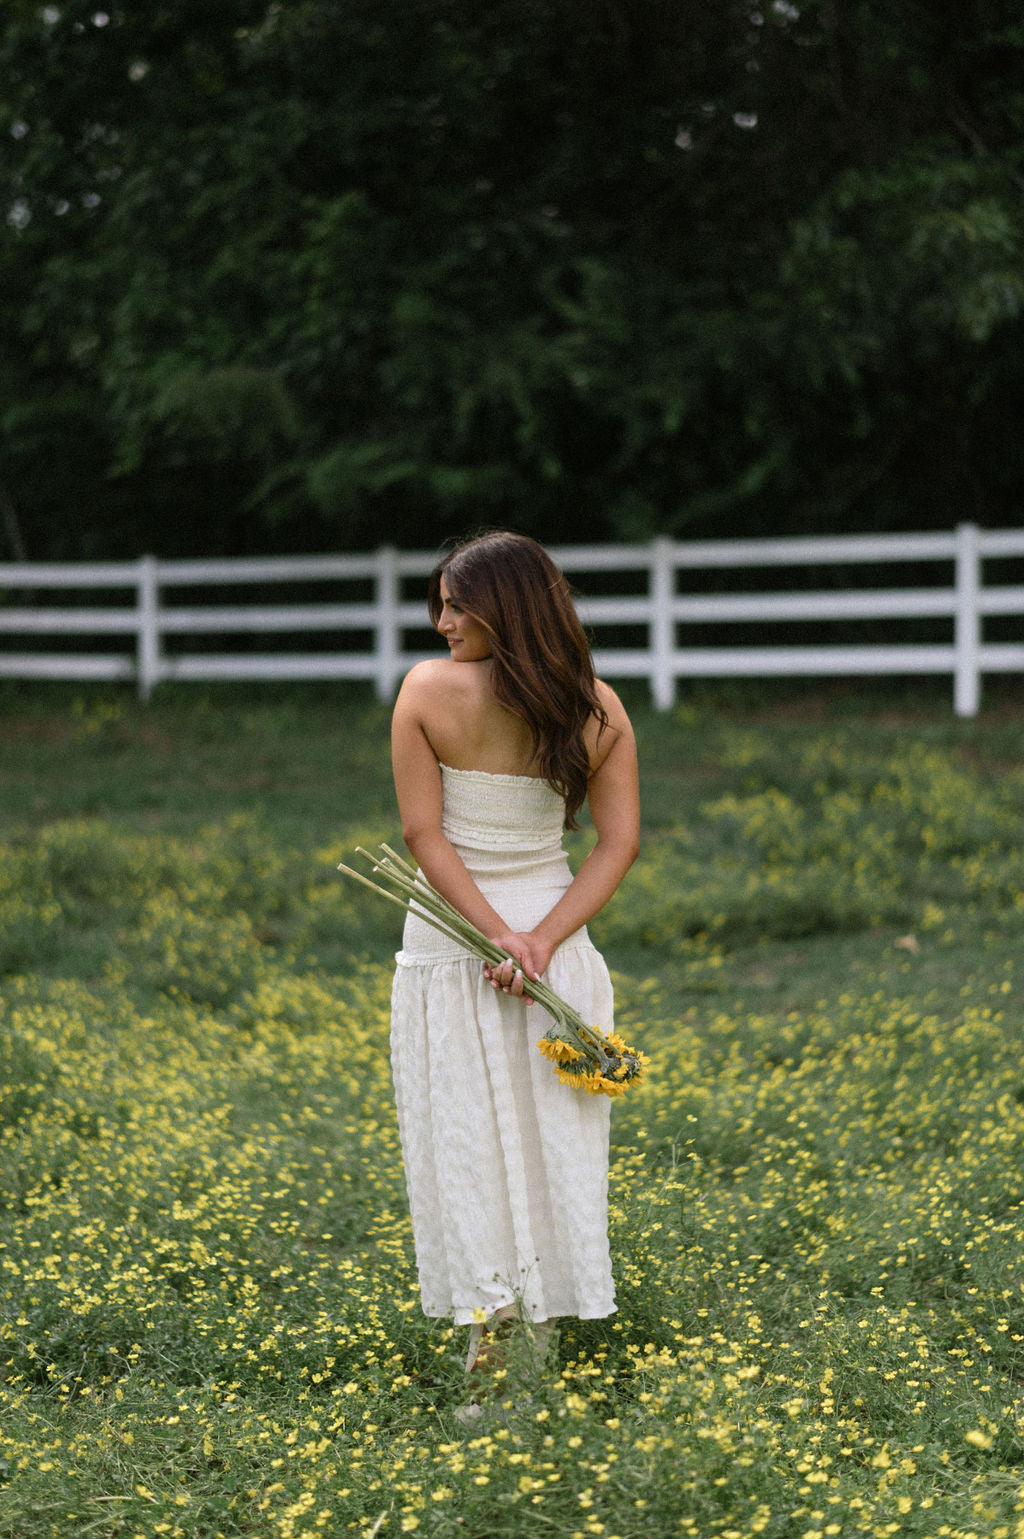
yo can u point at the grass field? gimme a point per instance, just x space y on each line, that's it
209 1320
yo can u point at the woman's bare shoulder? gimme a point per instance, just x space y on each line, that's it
434 676
614 708
602 737
426 675
437 681
618 722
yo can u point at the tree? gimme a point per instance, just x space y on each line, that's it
309 273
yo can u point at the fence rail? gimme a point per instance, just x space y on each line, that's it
153 613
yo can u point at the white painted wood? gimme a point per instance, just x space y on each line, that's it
271 665
368 598
1001 542
66 622
878 604
149 626
816 550
966 674
813 662
197 619
389 637
247 569
1005 600
81 574
60 665
662 628
1000 657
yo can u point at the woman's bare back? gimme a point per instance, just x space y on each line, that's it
468 729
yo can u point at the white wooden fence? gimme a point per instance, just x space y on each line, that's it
154 613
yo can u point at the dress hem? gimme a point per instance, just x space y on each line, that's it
576 1314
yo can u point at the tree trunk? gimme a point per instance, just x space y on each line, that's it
15 540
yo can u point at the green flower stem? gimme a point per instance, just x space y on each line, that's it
416 895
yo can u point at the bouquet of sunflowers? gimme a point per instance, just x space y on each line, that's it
582 1055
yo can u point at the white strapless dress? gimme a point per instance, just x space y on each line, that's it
506 1168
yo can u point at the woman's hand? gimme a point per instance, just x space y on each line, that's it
531 957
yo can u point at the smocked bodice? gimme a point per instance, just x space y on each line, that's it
481 811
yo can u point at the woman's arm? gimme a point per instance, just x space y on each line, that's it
613 797
418 788
614 800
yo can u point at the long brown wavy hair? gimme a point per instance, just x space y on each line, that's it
542 669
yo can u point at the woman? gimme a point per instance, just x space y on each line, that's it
495 748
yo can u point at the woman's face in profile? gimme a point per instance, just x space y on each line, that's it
467 640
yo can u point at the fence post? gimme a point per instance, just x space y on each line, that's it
967 639
388 637
148 660
662 627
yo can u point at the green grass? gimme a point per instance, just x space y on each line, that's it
209 1321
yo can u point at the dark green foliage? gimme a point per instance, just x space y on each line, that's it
310 275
